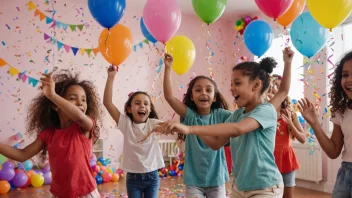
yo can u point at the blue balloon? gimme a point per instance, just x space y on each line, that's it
307 35
27 165
146 33
107 12
98 179
258 37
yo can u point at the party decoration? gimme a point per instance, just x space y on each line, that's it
37 180
53 22
307 36
146 33
175 169
115 177
258 37
47 178
162 18
99 179
27 165
20 179
274 8
328 13
4 187
2 158
116 45
182 50
7 174
108 12
106 177
8 165
209 10
292 13
242 23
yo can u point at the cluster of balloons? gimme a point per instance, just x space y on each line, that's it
22 176
102 173
176 169
242 23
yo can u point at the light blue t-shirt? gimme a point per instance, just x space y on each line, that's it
252 154
204 167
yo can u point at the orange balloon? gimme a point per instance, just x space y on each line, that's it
4 187
292 13
115 177
116 46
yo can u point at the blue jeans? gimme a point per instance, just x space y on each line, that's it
343 185
141 185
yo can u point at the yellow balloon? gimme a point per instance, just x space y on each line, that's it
330 13
37 180
182 50
108 170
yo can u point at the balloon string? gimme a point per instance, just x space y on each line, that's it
209 48
108 35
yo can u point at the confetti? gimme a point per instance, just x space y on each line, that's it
8 27
3 43
18 9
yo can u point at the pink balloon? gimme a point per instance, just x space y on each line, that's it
162 18
274 8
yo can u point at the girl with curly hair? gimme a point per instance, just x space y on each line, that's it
63 117
341 113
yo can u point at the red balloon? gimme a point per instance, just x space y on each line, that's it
274 8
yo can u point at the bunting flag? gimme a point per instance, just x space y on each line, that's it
54 23
67 48
140 44
21 76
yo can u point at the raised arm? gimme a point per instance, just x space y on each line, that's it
331 146
284 88
294 126
68 108
175 103
214 143
107 101
24 154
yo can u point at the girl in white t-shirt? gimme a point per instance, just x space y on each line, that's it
141 157
341 113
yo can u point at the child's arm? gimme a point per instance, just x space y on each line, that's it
113 111
331 146
284 88
69 109
294 126
176 105
215 143
21 155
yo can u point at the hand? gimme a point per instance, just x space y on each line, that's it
171 127
287 117
112 70
168 60
288 55
308 111
48 85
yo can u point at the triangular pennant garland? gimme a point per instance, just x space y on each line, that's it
67 48
88 51
82 51
48 20
73 27
74 50
80 27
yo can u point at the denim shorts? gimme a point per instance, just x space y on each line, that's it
343 185
209 192
141 185
289 179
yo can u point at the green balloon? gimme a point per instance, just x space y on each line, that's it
238 22
209 10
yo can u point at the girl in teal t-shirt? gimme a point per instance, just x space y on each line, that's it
205 169
252 128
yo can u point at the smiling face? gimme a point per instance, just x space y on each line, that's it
140 108
203 94
346 80
76 95
243 89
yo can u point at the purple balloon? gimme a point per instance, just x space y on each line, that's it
7 174
20 166
20 179
8 165
92 162
46 168
47 178
39 172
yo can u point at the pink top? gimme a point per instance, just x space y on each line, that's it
69 153
345 122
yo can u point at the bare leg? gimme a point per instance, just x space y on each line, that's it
288 192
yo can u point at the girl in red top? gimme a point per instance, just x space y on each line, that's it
288 129
63 117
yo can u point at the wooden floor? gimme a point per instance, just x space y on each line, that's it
169 188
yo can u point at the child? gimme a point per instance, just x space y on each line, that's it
142 159
64 118
205 170
252 128
288 129
341 113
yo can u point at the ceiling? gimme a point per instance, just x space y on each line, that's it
233 9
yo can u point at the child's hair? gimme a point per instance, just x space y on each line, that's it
41 114
260 70
152 114
338 97
220 101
